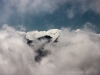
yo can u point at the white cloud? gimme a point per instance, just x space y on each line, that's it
70 13
76 53
21 27
14 53
37 6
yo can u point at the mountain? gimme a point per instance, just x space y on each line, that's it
41 38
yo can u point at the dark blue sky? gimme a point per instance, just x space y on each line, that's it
57 19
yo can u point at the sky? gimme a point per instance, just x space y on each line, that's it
49 14
73 23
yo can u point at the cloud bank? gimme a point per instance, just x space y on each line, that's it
77 52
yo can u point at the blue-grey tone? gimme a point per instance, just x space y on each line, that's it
47 14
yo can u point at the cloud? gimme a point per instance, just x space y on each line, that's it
20 8
9 8
77 52
95 6
70 13
37 6
21 27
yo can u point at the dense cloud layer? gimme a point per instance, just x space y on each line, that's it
77 52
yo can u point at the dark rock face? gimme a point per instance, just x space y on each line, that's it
56 40
29 41
41 52
46 37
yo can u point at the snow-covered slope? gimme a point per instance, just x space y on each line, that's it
38 40
54 33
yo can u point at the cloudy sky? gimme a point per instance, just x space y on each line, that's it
74 24
47 14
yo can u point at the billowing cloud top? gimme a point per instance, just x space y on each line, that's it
77 52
